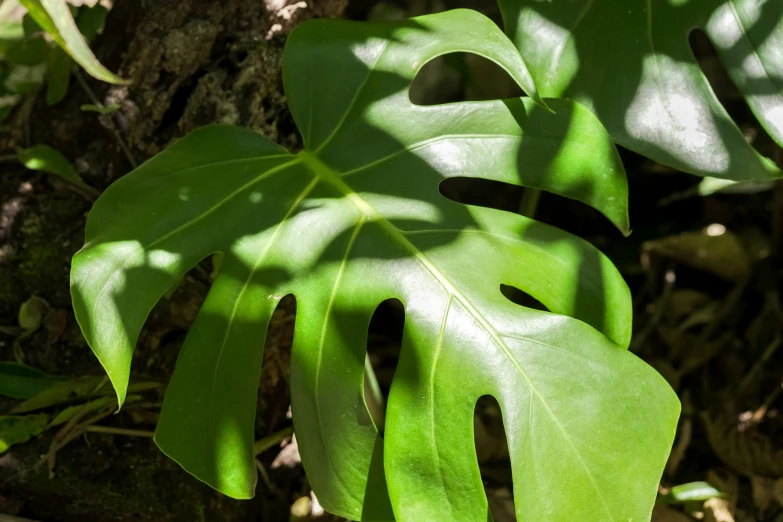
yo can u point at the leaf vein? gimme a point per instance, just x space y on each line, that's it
353 101
436 358
322 341
323 170
259 262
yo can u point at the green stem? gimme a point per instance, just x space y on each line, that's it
373 396
261 445
91 95
120 431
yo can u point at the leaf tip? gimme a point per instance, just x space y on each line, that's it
120 389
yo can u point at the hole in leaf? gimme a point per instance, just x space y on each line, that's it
517 296
482 192
461 76
489 437
384 342
559 211
272 415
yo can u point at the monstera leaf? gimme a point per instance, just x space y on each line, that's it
631 63
356 218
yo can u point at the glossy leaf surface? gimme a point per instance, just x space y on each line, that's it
631 63
357 218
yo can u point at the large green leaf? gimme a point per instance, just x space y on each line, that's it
356 218
631 63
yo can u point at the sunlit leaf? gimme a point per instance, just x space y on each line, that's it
49 160
90 20
631 63
355 218
11 31
55 18
693 491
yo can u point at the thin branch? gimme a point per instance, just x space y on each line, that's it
112 128
120 431
261 445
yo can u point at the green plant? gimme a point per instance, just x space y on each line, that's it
631 63
356 218
55 17
28 60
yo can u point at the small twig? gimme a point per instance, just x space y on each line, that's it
759 414
728 305
85 190
261 445
685 435
64 437
265 476
768 352
373 396
25 110
112 128
661 304
120 431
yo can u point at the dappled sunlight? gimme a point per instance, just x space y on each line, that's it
666 100
231 451
644 82
353 220
724 30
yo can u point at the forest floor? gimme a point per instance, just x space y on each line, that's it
705 273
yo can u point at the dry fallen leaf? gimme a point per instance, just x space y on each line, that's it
749 452
713 250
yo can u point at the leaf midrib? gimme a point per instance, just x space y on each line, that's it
324 172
